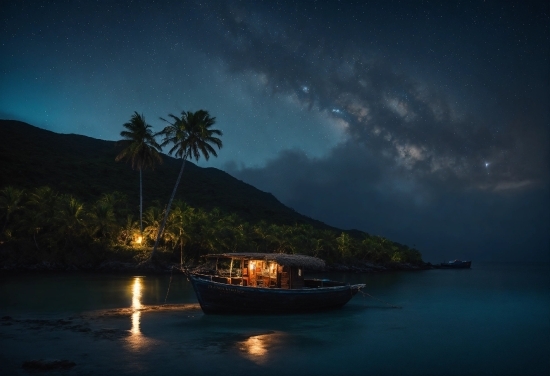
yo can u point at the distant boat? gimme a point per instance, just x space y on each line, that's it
268 283
455 264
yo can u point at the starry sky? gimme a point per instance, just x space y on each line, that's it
426 122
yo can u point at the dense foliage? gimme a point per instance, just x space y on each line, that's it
42 224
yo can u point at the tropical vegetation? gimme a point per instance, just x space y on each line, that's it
63 200
43 225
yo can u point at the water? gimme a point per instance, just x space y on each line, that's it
489 320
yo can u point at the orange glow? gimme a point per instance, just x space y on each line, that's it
136 317
136 305
138 240
137 341
252 265
257 348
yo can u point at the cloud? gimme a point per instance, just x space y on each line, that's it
375 197
454 171
505 186
427 130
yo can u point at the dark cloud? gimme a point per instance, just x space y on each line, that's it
424 129
351 188
455 163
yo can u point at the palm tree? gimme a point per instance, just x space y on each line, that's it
345 246
152 218
177 226
129 230
141 150
39 211
10 201
101 220
117 201
70 218
190 136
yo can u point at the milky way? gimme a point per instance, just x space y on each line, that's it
427 122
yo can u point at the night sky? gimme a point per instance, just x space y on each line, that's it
424 122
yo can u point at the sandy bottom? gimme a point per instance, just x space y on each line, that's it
151 340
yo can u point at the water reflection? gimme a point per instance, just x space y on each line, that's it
136 306
257 347
136 340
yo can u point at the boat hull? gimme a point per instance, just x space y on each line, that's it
220 298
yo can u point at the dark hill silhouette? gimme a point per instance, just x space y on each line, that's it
85 167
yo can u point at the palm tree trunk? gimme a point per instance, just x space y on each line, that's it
140 204
161 230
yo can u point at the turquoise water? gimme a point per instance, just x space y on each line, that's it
488 320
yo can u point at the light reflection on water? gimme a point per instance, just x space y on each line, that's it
257 347
136 340
136 306
254 346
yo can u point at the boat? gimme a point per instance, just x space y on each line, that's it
455 264
265 283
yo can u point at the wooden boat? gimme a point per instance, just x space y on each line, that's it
249 283
455 264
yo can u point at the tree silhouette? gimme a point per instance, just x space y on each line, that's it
190 136
141 149
10 201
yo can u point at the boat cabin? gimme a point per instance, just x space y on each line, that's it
260 269
268 283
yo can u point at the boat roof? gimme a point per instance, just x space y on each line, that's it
308 262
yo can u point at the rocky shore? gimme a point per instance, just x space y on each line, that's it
366 267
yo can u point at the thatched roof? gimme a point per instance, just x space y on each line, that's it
308 262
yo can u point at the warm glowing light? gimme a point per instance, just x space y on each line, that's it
138 240
136 317
257 347
137 340
252 265
136 293
136 305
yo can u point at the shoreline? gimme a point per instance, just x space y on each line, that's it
168 268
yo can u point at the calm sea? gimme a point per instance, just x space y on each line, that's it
493 319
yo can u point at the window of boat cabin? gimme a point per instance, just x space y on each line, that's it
266 268
261 268
252 267
272 269
223 267
245 267
236 268
208 266
229 267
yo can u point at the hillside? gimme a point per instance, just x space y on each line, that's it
85 167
